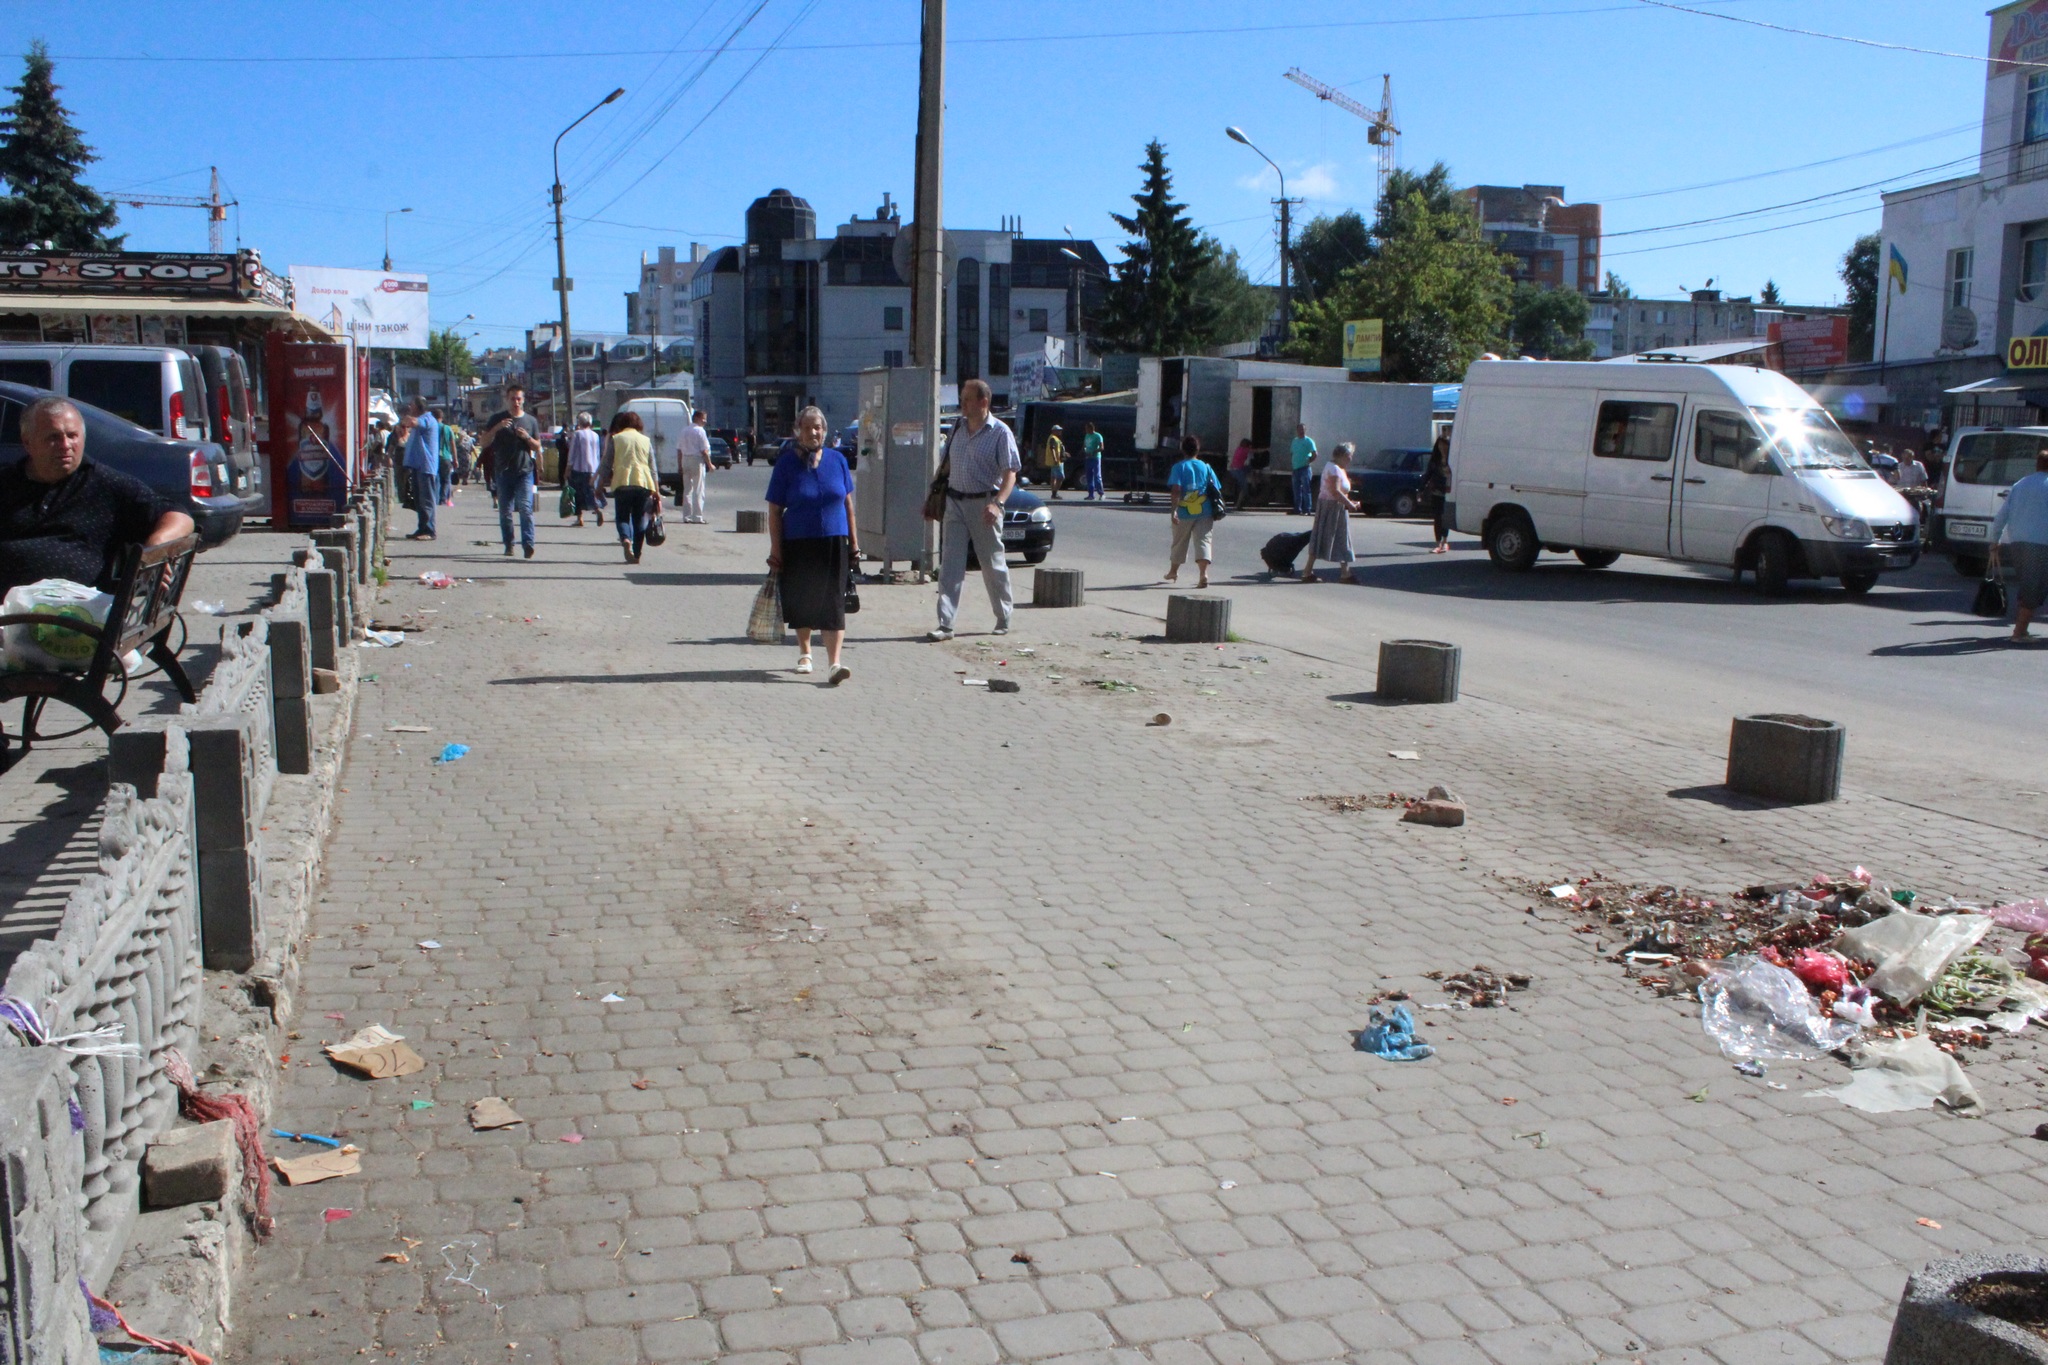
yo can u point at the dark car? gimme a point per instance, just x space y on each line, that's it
721 453
1390 481
849 445
193 477
1027 528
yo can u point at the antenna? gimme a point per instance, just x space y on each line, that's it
1382 134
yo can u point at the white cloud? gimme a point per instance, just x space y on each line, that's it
1316 182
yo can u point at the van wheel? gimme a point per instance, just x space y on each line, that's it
1511 542
1773 565
1597 559
1969 567
1404 504
1857 584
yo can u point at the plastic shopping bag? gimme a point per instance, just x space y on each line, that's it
46 648
764 624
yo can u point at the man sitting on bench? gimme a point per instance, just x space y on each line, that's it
63 516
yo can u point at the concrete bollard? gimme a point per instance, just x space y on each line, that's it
323 617
336 560
226 792
1057 588
1935 1327
1197 619
1419 670
750 522
1786 758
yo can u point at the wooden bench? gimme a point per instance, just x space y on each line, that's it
147 591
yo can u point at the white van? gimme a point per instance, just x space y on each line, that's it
663 419
157 387
1983 465
1713 464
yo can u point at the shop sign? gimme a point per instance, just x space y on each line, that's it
162 274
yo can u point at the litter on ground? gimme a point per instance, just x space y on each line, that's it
1392 1036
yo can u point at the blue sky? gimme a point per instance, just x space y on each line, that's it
1614 99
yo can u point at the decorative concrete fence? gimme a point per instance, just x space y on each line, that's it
43 1318
234 764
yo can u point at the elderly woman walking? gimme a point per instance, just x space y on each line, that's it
636 488
812 540
583 460
1331 537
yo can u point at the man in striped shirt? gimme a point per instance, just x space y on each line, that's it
982 462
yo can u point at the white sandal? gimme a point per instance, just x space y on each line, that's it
803 663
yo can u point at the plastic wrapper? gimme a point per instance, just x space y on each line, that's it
50 648
2029 917
1912 950
1757 1011
1897 1074
1820 971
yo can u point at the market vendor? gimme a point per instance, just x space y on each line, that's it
63 516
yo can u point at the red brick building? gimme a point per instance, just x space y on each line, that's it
1553 243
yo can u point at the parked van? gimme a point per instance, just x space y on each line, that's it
1712 464
230 410
664 420
1983 465
159 388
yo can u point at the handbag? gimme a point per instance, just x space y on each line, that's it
1990 599
1217 510
764 623
852 602
935 495
567 506
656 533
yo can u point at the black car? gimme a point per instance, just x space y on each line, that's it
1027 528
193 477
1390 481
721 453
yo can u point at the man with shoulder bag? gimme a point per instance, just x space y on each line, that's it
979 470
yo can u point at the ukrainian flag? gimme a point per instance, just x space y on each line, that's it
1898 268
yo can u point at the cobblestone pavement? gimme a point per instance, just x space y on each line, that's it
903 1022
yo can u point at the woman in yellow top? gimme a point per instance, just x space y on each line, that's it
635 487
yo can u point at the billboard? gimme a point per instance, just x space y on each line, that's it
1363 344
374 307
2019 33
1812 343
314 429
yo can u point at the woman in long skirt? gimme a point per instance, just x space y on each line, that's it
812 542
1331 538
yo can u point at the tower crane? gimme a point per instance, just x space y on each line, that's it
216 208
1382 133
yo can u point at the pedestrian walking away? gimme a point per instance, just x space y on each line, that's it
583 456
513 440
1331 537
423 465
812 543
1436 483
447 469
1196 492
2023 516
635 485
1055 461
981 465
1303 453
693 465
465 455
1091 461
1240 472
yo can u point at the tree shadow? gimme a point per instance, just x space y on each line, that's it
1375 699
44 857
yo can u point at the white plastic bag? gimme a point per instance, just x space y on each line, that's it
1897 1074
1757 1011
1912 950
47 648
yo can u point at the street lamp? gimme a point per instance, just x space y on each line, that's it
1236 134
448 357
1080 331
562 281
387 234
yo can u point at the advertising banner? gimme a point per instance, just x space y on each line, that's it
2019 33
1363 345
313 430
374 307
1812 343
162 274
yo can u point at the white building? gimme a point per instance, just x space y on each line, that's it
660 307
1963 268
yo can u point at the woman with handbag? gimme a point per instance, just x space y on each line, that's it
1197 502
1331 537
636 488
812 543
1436 483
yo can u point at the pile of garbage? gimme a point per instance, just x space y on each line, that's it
1841 964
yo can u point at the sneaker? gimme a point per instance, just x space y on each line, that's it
937 633
1003 629
803 663
840 673
508 552
529 552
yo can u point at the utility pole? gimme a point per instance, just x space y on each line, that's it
565 416
1236 134
928 279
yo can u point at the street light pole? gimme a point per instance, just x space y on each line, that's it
448 358
562 281
393 353
928 274
1080 326
1236 134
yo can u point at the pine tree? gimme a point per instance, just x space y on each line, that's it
1154 305
41 156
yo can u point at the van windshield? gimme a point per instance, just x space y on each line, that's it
2000 458
1807 438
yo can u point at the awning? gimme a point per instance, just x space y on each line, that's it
1995 384
297 323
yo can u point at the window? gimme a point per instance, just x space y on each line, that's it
2036 129
2034 263
1635 431
967 321
34 373
893 359
1961 264
1726 441
127 388
2001 458
1807 438
892 319
998 319
10 423
1037 320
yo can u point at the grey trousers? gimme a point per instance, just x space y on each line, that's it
967 522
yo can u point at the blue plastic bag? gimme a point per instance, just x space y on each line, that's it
1392 1036
452 752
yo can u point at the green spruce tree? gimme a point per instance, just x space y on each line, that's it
1154 305
41 156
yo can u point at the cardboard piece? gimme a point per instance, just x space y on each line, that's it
311 1170
378 1053
491 1112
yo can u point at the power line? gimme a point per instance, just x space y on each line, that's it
1974 126
1841 37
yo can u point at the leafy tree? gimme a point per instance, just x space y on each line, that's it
446 352
1550 324
1441 289
1325 249
1770 298
1859 280
1229 307
1153 306
1617 287
41 156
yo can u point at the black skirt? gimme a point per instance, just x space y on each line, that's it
814 572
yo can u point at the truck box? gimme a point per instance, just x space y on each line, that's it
1371 416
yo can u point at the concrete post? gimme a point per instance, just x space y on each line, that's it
1197 618
1057 588
291 690
1419 670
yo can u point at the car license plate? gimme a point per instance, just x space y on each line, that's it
1899 559
1967 530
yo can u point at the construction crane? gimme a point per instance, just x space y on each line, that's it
1382 133
216 208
